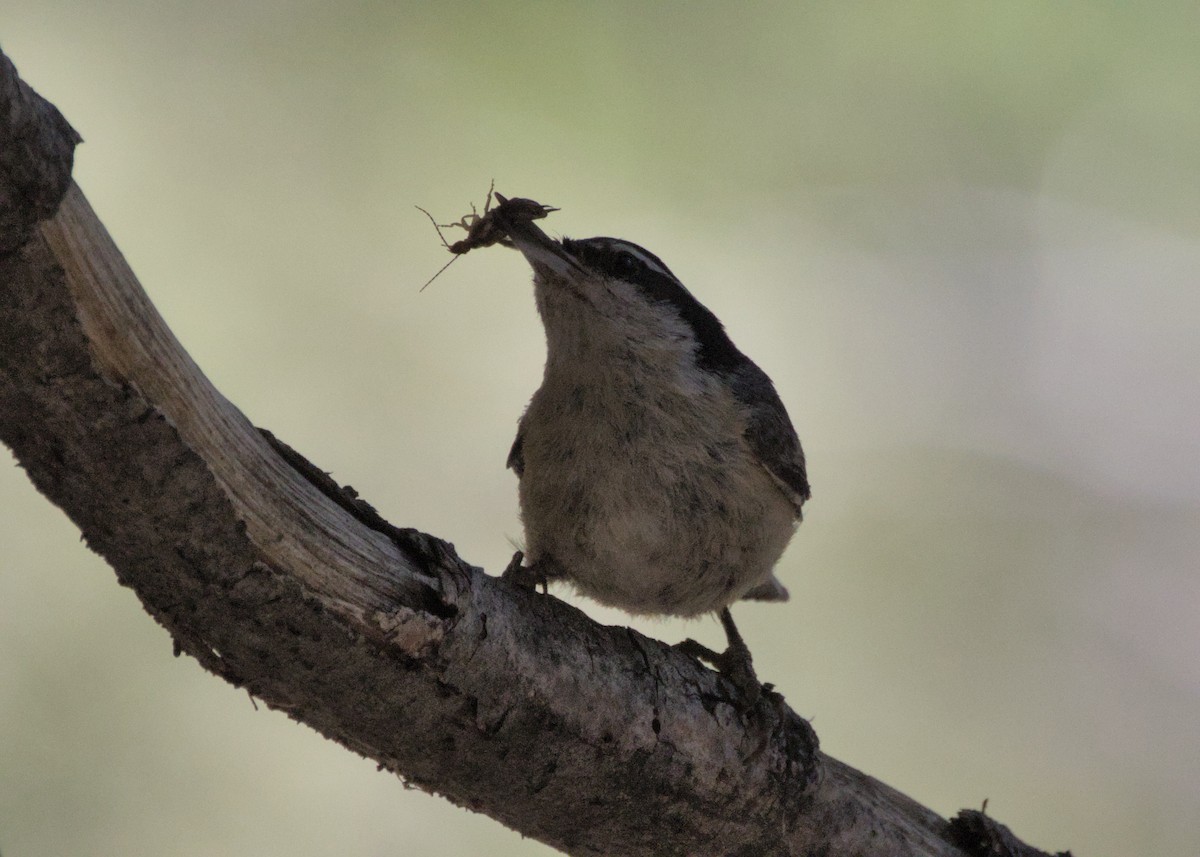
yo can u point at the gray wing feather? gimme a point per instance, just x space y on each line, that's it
770 433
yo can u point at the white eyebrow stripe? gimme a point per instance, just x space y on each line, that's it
644 256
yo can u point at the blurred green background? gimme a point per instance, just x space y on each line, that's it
962 237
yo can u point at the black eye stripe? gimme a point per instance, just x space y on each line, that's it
626 261
614 256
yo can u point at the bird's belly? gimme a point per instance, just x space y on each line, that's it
662 529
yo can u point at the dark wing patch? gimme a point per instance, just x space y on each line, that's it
770 433
516 455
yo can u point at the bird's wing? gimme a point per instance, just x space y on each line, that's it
770 433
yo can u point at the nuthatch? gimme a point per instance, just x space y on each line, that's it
659 471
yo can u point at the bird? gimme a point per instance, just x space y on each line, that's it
659 471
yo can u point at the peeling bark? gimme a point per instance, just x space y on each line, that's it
596 740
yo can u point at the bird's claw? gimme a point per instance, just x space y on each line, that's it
735 663
525 576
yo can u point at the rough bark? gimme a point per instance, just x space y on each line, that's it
596 740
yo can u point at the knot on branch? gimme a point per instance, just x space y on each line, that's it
981 836
37 152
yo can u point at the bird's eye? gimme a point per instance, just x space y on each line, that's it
626 264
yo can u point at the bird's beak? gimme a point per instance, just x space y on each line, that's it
515 218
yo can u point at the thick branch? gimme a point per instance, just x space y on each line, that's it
594 739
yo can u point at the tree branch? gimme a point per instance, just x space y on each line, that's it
593 739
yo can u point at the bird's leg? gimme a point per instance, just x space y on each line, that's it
734 663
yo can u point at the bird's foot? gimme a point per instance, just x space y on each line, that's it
525 576
735 663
